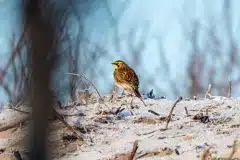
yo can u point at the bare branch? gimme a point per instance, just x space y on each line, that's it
80 75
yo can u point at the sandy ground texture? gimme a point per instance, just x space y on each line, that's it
195 127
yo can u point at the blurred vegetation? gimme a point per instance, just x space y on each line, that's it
213 54
54 39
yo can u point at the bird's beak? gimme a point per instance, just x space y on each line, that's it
113 63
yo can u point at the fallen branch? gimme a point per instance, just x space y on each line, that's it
134 150
171 111
80 75
153 112
60 117
14 124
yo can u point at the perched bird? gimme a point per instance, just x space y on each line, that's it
126 78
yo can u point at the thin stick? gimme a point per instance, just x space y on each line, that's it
208 91
171 111
153 112
230 89
16 109
81 75
186 111
143 102
67 125
120 109
134 150
143 134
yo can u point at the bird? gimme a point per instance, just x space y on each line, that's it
126 78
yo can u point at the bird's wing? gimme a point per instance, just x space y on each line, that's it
131 77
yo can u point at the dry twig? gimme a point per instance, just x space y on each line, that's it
80 75
18 110
171 111
134 150
143 134
208 95
60 117
119 110
153 112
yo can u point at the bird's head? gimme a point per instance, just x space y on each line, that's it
119 64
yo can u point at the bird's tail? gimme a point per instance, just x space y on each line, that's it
137 93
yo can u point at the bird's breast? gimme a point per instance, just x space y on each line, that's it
123 85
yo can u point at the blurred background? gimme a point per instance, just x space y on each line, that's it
176 47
